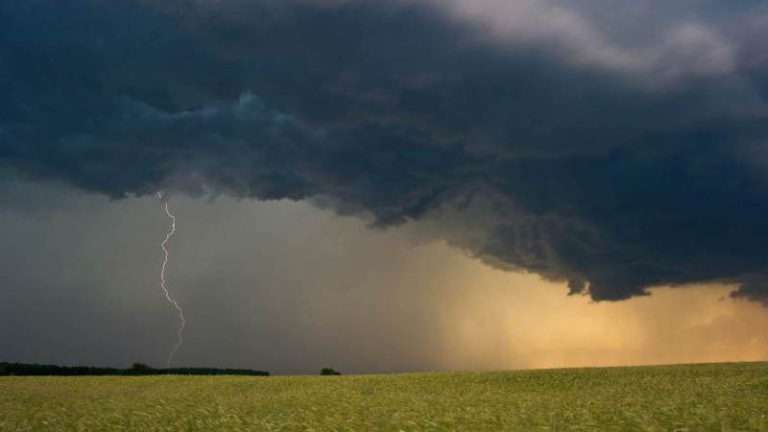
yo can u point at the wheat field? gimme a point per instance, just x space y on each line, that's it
712 397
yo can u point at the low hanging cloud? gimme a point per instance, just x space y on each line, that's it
551 146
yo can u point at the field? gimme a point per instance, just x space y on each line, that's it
717 397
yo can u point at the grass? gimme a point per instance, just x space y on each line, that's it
715 397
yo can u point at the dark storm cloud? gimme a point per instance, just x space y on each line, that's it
614 169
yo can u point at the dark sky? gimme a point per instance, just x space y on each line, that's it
610 147
289 288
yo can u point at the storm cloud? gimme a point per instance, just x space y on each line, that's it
542 138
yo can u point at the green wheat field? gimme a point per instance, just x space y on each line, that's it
712 397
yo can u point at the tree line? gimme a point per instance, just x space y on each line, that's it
25 369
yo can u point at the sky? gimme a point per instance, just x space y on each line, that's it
384 186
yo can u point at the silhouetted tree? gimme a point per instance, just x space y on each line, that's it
140 368
329 371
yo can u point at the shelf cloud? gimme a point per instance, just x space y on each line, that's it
524 133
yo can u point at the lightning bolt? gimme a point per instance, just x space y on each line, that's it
163 284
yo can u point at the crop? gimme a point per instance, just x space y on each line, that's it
713 397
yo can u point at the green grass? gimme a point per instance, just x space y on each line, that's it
721 397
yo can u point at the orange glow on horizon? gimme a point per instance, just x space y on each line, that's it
493 319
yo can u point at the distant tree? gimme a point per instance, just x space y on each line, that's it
329 371
140 368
